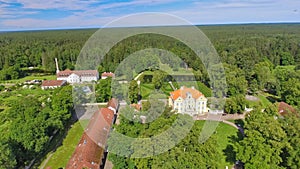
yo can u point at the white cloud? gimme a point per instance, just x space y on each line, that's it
239 11
56 4
102 9
7 12
88 16
200 12
84 4
234 4
86 8
68 22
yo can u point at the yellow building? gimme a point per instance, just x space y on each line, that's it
188 101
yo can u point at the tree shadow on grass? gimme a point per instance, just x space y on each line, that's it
240 122
272 99
56 142
229 151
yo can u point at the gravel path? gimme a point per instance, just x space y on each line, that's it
252 98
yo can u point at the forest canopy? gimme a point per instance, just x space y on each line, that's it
262 57
255 57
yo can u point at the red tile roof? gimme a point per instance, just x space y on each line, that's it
108 74
108 115
182 93
113 103
136 106
89 152
98 128
284 108
53 83
68 72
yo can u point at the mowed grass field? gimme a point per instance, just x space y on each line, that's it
24 79
264 100
148 88
224 133
60 157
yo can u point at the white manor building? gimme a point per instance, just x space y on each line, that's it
78 76
188 101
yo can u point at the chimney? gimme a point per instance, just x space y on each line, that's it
56 63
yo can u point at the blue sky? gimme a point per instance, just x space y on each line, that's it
59 14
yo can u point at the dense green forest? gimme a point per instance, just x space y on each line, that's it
279 43
256 58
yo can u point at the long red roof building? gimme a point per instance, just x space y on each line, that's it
51 84
91 148
68 72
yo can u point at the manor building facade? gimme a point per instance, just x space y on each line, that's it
188 101
78 76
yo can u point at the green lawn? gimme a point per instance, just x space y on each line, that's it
9 97
148 88
36 91
265 102
21 80
181 71
167 89
223 133
61 156
201 87
252 104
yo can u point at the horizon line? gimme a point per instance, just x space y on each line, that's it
91 27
